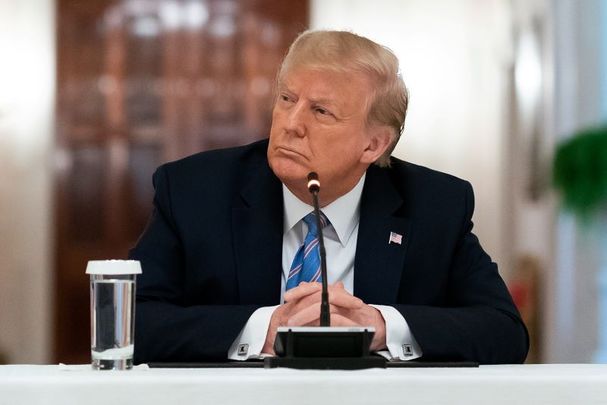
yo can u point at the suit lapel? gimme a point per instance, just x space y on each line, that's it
257 218
379 264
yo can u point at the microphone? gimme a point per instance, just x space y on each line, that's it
314 187
324 346
325 313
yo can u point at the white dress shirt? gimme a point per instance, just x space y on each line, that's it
340 239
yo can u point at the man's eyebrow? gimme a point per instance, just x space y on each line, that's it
282 86
324 100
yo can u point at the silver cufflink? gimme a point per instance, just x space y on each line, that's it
243 349
407 350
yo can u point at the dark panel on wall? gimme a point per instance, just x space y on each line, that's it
141 82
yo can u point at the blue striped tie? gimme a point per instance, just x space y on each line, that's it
306 265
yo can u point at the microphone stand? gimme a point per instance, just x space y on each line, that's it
324 346
325 312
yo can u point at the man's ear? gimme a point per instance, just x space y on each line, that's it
380 138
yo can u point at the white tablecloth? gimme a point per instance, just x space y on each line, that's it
510 384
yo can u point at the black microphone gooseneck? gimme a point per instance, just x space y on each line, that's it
323 347
325 313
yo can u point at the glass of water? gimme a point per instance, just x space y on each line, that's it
112 312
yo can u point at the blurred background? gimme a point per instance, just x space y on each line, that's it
95 94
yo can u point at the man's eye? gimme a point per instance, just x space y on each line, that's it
285 97
322 111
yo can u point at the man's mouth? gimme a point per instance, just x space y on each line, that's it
290 152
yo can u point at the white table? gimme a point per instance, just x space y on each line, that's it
510 384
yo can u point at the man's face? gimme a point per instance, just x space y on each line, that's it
318 124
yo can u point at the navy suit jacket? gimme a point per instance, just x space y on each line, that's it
212 254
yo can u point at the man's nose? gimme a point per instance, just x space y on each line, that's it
296 120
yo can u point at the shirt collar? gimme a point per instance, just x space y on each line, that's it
343 213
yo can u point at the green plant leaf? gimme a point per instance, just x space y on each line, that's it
580 171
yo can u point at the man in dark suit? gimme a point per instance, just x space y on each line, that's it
224 250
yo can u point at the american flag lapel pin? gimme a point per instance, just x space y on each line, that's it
395 238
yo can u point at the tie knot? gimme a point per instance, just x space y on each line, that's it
310 220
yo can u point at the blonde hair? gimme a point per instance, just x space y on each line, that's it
344 51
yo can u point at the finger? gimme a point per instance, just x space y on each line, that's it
311 315
302 290
305 288
337 297
307 315
305 302
366 316
343 298
340 320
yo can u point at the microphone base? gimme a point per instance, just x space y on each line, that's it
324 347
325 363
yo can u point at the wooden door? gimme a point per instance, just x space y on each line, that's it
141 82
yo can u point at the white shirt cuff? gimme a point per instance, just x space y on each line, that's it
252 337
399 339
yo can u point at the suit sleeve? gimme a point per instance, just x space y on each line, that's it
166 329
479 321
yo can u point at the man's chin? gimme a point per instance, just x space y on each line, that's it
288 170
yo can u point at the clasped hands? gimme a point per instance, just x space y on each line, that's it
302 308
